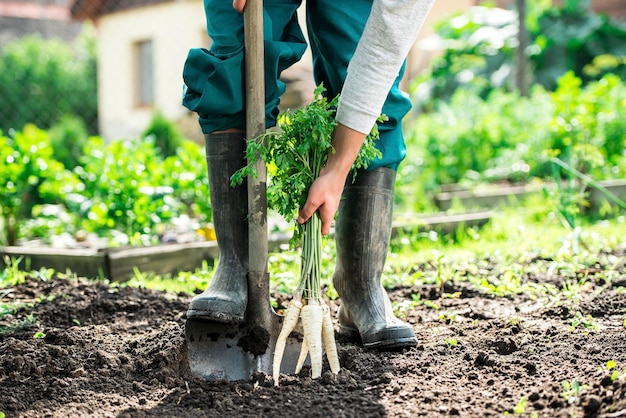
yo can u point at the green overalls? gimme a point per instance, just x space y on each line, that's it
214 81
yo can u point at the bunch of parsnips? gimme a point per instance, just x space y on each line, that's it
294 156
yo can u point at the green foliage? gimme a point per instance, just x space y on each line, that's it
31 176
570 37
127 189
68 137
479 50
296 156
165 134
121 188
186 173
588 128
513 138
571 390
42 80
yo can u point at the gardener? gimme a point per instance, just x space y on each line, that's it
358 48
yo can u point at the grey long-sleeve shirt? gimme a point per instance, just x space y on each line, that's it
390 32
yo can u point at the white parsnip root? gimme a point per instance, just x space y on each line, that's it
304 352
328 338
317 323
319 336
311 316
289 323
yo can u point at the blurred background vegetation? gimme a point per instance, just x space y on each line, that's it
486 111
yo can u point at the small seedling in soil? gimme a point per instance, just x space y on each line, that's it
585 321
452 342
571 390
520 408
401 309
615 374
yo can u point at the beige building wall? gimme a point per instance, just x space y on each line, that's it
118 33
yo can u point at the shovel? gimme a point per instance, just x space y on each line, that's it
218 351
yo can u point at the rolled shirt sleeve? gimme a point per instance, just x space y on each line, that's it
389 34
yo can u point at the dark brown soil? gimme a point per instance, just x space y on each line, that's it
120 352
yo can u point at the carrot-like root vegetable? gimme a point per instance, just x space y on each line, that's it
304 351
312 318
328 338
291 319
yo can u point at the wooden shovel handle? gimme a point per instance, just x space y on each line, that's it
259 308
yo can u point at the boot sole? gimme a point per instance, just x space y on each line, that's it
387 339
214 316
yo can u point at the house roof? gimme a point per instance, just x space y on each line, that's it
35 10
92 9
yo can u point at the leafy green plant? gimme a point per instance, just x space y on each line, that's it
124 189
186 173
165 134
31 176
514 139
571 390
402 308
520 407
452 342
11 274
569 37
129 188
479 49
42 80
571 197
296 155
478 56
584 321
616 374
68 137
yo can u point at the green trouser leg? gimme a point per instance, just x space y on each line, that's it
226 297
362 234
334 29
214 85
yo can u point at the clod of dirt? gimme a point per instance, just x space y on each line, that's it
255 342
592 405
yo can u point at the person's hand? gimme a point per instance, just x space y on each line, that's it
324 196
325 192
239 5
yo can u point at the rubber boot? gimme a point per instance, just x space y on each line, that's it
227 295
362 234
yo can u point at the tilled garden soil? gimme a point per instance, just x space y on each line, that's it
84 348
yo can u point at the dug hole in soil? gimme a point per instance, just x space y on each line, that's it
84 348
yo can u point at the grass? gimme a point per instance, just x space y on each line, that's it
518 242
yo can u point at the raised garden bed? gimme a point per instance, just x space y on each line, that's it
120 263
495 196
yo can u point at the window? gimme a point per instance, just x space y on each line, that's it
145 73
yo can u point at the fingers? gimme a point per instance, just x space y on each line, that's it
324 196
239 5
326 214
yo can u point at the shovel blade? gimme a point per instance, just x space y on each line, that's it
218 351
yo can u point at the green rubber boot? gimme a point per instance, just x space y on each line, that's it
227 295
362 234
